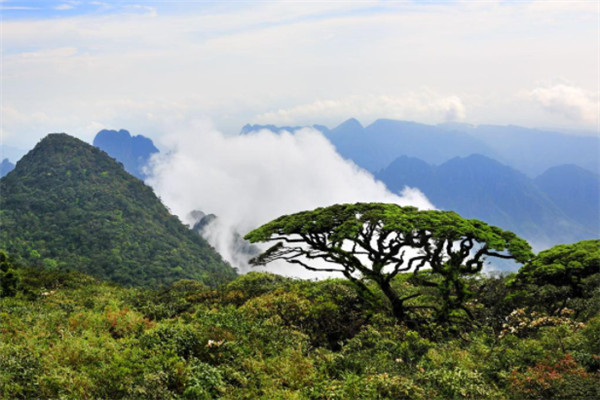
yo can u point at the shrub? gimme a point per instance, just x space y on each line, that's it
564 379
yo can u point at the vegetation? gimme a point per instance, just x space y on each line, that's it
262 336
392 239
67 205
561 277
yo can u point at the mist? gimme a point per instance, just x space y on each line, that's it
248 180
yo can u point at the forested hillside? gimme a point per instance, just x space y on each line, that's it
68 205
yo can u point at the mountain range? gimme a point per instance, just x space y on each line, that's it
68 205
531 151
479 187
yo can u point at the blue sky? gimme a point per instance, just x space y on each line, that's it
36 9
157 66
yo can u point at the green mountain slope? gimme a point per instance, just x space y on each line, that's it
68 205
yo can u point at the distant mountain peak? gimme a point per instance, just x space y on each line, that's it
350 124
5 167
133 152
568 168
123 133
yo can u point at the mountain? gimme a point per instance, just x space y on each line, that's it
377 145
68 205
480 187
133 151
345 138
5 167
533 151
576 191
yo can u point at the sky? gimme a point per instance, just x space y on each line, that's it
156 67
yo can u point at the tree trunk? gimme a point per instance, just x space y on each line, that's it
397 305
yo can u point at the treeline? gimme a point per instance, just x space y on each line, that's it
534 335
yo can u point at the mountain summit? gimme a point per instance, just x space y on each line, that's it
68 205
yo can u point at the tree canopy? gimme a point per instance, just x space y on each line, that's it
561 275
564 264
378 241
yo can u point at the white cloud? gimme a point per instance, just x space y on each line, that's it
574 103
16 8
64 7
69 5
49 54
250 179
552 7
149 11
425 106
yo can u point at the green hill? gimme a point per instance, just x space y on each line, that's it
68 205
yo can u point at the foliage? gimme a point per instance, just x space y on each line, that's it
67 205
564 379
564 265
451 246
68 335
8 278
262 336
562 276
520 322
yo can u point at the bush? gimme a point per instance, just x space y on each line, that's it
564 379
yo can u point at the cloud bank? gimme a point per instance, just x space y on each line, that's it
572 102
249 180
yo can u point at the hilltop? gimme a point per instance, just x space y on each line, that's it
68 205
